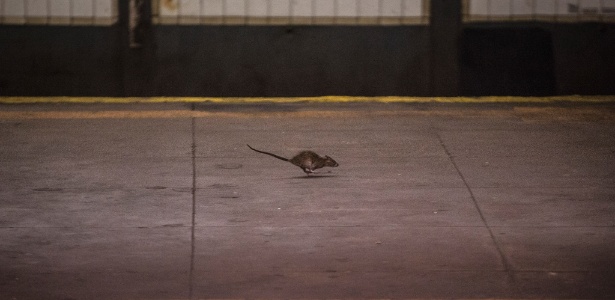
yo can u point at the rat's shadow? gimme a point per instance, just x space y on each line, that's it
314 176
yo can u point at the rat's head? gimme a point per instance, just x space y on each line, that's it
330 162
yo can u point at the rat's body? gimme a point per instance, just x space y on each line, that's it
308 161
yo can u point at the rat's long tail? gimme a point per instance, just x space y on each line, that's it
263 152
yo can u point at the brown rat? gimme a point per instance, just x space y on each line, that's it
308 161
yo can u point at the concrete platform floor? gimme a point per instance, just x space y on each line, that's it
165 201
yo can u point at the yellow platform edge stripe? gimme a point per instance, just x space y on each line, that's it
321 99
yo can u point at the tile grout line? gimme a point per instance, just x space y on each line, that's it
193 216
503 259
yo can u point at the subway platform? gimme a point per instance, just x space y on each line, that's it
431 200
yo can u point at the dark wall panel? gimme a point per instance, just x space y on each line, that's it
507 61
58 60
537 59
291 61
494 59
584 58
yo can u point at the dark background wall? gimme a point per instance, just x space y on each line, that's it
291 61
57 60
538 59
446 58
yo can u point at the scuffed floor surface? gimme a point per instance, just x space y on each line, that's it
165 201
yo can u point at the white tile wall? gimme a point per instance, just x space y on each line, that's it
279 8
103 8
59 8
479 7
86 12
554 10
36 8
93 11
14 8
212 7
235 8
368 8
258 8
522 7
289 11
190 8
391 8
346 8
561 7
82 9
591 6
412 8
301 8
545 7
324 8
169 8
592 3
500 8
577 7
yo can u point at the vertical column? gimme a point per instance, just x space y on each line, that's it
138 47
445 34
